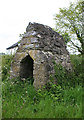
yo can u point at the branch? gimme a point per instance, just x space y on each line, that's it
77 47
77 33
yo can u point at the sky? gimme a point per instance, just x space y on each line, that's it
16 14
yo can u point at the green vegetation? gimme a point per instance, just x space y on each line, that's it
0 89
69 24
6 62
61 100
64 100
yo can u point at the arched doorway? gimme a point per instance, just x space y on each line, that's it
26 67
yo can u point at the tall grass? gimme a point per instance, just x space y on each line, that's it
6 62
0 87
64 100
22 101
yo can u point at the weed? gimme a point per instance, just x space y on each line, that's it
63 100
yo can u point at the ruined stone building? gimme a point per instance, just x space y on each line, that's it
39 46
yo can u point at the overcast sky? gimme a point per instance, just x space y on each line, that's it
16 14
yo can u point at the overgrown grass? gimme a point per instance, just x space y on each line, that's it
0 88
20 100
64 100
6 62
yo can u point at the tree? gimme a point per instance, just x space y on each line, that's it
69 23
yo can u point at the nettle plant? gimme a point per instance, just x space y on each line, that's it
51 91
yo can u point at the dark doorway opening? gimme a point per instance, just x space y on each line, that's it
26 67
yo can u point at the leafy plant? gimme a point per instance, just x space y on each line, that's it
6 63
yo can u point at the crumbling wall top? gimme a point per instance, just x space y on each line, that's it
42 37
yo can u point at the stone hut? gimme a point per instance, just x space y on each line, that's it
39 46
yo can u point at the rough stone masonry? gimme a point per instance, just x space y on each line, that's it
39 46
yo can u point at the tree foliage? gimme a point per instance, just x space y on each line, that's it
69 23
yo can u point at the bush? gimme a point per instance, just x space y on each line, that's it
76 61
65 78
6 63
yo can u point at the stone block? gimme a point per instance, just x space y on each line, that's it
28 46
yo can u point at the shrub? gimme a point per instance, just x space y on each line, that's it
6 63
76 61
65 78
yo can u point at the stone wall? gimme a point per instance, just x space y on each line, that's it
42 45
